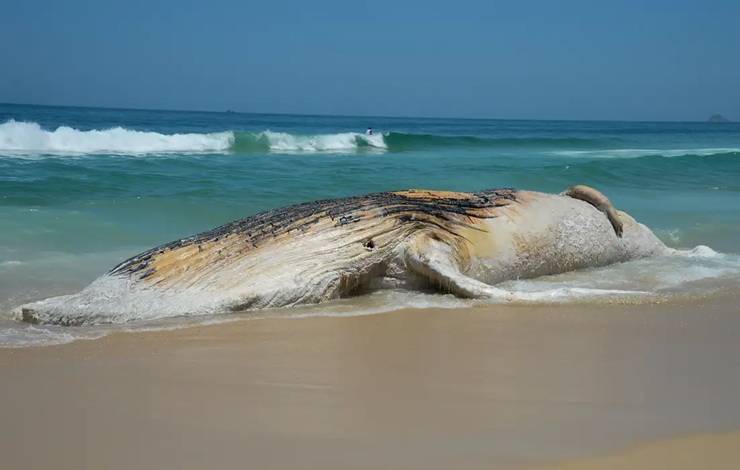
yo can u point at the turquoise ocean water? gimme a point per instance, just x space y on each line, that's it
81 188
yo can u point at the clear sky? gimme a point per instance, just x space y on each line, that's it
647 60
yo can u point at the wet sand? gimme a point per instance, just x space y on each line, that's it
487 387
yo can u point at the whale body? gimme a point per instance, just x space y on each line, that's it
460 243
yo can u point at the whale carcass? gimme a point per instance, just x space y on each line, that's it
455 242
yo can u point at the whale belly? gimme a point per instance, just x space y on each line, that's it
550 234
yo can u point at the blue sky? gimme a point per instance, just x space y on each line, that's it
657 60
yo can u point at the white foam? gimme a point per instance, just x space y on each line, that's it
342 142
10 263
371 304
22 335
673 235
30 138
643 277
635 153
700 251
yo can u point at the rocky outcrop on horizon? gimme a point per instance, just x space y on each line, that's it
717 118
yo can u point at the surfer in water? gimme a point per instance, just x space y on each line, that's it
369 131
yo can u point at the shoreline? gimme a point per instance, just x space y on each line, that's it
49 335
488 386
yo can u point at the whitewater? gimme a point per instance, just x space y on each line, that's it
29 138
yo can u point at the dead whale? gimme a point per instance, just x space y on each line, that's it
461 243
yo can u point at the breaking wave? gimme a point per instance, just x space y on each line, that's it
638 153
248 142
30 138
19 138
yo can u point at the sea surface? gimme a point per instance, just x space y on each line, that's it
84 188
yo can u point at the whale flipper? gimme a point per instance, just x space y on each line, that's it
434 261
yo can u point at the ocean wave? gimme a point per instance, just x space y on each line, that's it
701 171
10 263
30 138
394 141
284 142
408 141
19 138
645 152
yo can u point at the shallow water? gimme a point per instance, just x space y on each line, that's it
81 189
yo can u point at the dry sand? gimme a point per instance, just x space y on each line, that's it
711 451
488 387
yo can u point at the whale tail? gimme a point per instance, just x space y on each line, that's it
599 201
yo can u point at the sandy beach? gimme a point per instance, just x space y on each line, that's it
370 235
486 387
715 451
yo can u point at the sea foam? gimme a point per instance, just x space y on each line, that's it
645 152
19 138
30 138
346 141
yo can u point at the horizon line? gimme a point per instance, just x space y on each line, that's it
231 111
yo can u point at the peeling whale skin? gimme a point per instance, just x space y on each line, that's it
461 243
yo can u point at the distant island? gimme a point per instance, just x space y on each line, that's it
717 118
